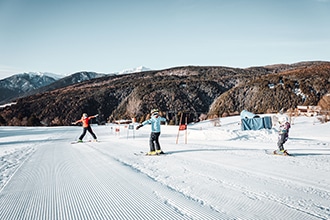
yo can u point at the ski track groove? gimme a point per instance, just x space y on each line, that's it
91 195
119 202
30 151
82 190
179 205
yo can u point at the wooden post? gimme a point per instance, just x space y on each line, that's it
177 137
182 127
186 129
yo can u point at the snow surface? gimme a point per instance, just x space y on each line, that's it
8 104
221 173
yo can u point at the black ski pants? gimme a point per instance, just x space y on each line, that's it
154 140
282 138
85 129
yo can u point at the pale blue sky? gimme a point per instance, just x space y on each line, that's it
68 36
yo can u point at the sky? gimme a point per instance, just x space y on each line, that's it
106 36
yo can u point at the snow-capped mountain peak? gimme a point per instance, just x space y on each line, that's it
134 70
20 84
41 74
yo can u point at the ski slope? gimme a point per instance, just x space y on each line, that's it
221 173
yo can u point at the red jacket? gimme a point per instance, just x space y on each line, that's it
85 121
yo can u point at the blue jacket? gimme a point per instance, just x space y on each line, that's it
155 123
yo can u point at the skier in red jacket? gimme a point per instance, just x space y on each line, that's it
86 126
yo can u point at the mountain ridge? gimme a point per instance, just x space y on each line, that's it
11 90
211 90
20 84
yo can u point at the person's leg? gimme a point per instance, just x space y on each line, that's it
83 134
285 138
157 141
91 132
281 141
151 142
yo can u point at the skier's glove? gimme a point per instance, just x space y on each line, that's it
96 115
139 126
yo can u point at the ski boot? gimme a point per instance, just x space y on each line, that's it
158 152
151 153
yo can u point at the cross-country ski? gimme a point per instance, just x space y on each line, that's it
277 152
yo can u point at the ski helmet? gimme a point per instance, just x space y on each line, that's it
85 115
282 119
154 111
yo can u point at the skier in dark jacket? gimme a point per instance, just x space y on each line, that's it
155 121
283 134
86 126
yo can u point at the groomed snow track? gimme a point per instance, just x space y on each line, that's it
221 173
63 181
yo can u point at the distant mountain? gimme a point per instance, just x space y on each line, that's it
70 80
84 75
25 84
20 84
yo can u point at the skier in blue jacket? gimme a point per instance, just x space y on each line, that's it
155 121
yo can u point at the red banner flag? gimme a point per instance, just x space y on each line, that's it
182 127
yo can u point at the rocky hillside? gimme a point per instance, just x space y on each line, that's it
303 84
192 89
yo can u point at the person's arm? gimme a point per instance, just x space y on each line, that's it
93 116
74 123
143 123
287 126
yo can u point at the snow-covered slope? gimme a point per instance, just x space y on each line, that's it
221 173
52 75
